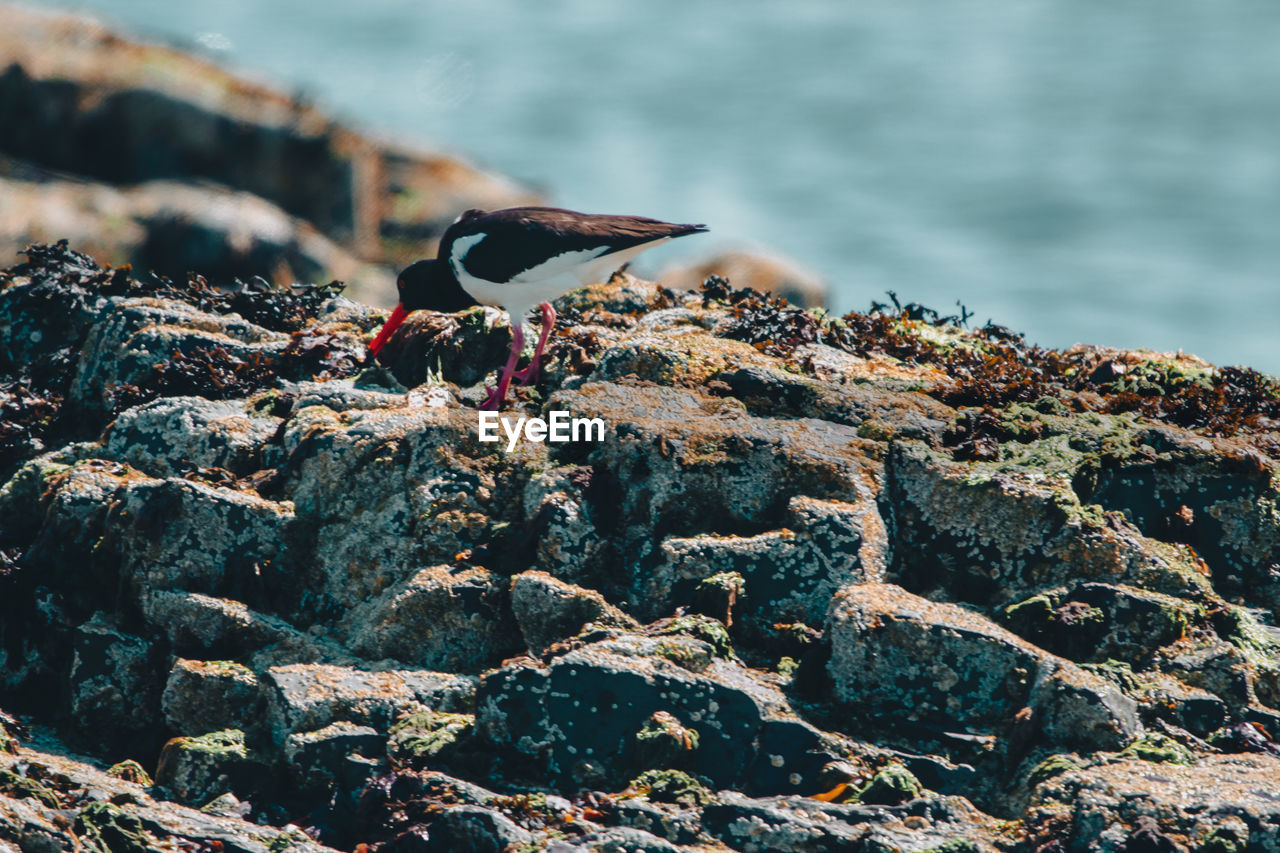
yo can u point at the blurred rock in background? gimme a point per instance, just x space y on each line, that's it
147 155
763 271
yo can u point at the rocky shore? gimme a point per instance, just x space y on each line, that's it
870 583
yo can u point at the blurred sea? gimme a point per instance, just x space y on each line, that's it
1075 169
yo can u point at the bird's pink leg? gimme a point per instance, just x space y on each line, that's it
496 395
529 375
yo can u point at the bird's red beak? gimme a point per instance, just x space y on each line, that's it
393 323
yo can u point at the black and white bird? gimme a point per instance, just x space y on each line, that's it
518 258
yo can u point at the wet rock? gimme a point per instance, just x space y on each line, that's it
207 696
1221 797
194 770
306 697
444 617
548 610
896 653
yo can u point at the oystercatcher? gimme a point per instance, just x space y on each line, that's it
518 258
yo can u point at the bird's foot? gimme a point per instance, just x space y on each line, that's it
493 402
529 375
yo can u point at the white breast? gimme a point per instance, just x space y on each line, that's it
545 282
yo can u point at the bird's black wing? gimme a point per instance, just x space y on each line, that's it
520 238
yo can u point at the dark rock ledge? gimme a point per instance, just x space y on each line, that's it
876 583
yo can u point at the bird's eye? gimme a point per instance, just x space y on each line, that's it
399 284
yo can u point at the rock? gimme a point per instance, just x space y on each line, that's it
576 719
432 739
896 653
994 533
315 758
1161 696
194 770
803 824
443 617
306 697
615 840
1217 495
891 786
205 626
475 828
695 450
1158 749
1227 798
134 337
94 806
131 771
679 826
171 436
115 694
876 412
547 609
1099 622
173 228
208 696
179 535
563 533
757 271
392 491
664 743
718 655
789 575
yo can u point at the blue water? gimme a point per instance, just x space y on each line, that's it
1081 170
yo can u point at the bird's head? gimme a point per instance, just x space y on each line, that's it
422 286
